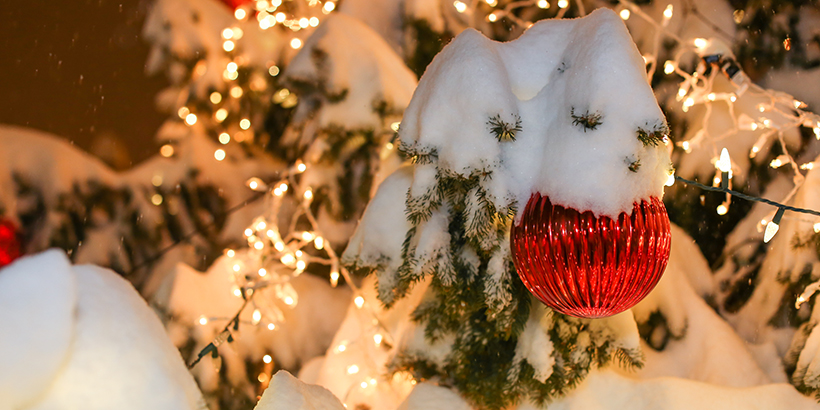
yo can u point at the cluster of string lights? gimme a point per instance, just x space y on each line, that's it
262 273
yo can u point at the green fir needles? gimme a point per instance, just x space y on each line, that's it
588 120
654 135
502 130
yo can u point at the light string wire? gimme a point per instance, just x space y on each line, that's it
748 197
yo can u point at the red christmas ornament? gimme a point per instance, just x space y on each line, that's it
235 4
9 242
590 267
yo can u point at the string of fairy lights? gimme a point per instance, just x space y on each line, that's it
264 269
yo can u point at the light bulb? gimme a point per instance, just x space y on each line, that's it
773 226
724 164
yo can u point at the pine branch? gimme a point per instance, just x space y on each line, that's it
588 120
502 130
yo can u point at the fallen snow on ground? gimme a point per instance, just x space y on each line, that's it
82 338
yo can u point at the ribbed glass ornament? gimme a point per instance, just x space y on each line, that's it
590 267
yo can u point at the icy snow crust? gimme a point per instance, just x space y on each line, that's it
555 68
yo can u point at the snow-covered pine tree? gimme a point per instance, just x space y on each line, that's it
489 125
768 292
352 90
67 199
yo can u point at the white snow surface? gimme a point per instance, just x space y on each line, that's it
606 390
98 347
587 65
286 392
357 61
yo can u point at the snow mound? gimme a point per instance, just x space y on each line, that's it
36 314
286 392
431 397
606 390
591 136
109 349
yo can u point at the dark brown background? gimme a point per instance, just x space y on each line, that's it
76 68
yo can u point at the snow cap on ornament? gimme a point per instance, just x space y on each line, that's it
564 120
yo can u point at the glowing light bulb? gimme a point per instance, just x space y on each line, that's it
236 267
313 21
279 246
352 369
301 265
773 226
492 17
722 209
183 112
288 259
263 272
220 115
301 167
359 301
724 164
544 4
377 338
563 4
667 13
816 227
308 194
460 6
166 150
156 180
203 320
267 359
219 154
668 67
319 243
232 67
271 326
328 7
239 14
283 187
228 45
671 180
625 14
237 293
295 43
231 253
363 385
156 199
288 300
258 245
700 43
334 278
236 91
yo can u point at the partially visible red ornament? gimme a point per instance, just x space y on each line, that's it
590 267
9 242
235 4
